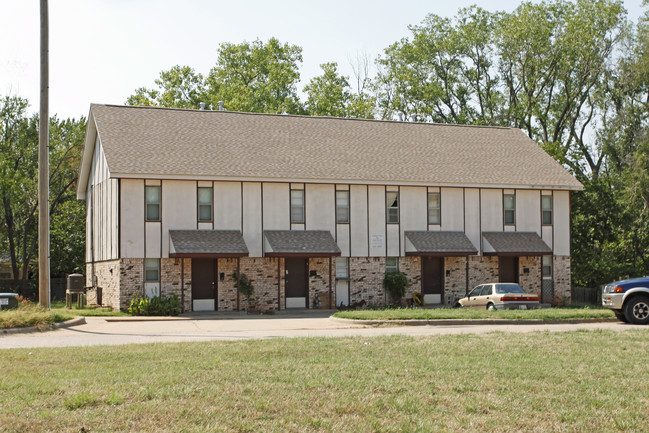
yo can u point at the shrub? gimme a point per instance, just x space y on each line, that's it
156 306
395 284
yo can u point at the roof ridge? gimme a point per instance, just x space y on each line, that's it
305 116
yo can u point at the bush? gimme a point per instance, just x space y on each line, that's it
156 306
395 284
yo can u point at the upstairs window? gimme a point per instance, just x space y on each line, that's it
151 270
205 198
342 207
391 265
297 206
546 209
509 207
152 203
392 207
434 208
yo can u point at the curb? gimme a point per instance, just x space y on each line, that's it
461 322
30 329
145 319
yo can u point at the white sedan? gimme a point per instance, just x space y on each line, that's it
499 296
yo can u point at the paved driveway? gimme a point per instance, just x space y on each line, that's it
237 326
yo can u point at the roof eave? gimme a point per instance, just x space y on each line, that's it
125 175
86 159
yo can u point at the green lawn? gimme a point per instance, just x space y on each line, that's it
31 315
547 314
577 381
59 307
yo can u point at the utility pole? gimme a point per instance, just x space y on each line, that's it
44 168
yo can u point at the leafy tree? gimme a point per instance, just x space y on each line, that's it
330 95
250 76
18 181
256 77
178 87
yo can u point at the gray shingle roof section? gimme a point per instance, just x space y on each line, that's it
516 244
190 144
306 243
440 243
207 243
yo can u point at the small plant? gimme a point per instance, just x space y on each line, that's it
246 288
156 306
395 284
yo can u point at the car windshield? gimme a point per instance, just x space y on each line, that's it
508 288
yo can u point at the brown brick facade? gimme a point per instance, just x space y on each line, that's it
482 269
561 275
529 274
455 277
108 278
366 279
121 280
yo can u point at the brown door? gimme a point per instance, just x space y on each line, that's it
296 283
204 272
508 269
433 278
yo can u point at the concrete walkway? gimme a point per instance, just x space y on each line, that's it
239 326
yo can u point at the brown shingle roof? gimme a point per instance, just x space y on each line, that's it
440 243
305 243
207 243
175 143
516 244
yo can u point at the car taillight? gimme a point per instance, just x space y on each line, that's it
618 289
518 298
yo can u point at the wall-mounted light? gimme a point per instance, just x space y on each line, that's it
222 276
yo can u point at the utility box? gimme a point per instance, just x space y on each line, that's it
8 301
76 283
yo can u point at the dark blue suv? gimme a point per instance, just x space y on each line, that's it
629 300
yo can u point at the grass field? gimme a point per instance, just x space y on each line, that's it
546 314
578 381
31 315
59 307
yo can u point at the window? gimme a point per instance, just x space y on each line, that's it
342 268
392 210
151 270
297 206
434 208
205 197
391 265
509 205
547 266
546 209
152 203
342 207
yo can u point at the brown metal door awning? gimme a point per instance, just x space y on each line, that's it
514 244
206 243
300 243
438 243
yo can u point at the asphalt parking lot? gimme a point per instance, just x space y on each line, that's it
239 326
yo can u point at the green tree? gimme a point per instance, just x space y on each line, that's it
179 87
330 95
18 181
256 77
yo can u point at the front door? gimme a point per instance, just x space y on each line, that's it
204 272
508 269
433 279
296 283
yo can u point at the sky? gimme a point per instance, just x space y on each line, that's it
102 50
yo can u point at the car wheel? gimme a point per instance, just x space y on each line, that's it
636 310
491 307
620 316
